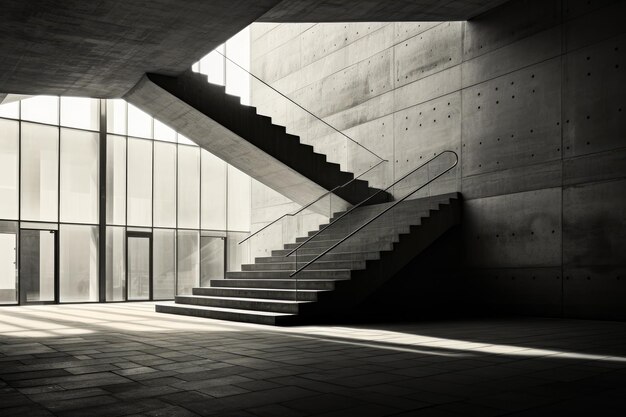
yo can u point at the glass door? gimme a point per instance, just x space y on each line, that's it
38 267
8 265
139 266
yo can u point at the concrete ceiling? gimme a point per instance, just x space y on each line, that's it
377 10
102 48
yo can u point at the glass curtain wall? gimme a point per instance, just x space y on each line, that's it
155 180
222 71
9 168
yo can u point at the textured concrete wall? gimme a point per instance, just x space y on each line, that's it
531 95
268 205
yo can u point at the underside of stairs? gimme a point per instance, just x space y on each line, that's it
236 133
265 293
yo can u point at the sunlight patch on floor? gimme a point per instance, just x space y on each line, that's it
82 319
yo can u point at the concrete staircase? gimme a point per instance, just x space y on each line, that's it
240 136
265 293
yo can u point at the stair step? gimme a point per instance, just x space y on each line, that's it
277 274
266 293
230 314
342 256
344 247
321 242
407 208
388 220
312 244
309 284
335 234
291 266
256 304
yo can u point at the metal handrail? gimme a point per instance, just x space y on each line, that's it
311 203
299 105
367 199
456 161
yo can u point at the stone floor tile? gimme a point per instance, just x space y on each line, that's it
524 367
171 411
220 391
79 402
256 385
276 410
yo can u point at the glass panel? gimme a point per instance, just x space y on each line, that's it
213 192
164 132
164 184
37 265
79 176
139 123
184 140
116 180
211 259
237 254
80 112
40 180
139 182
164 260
8 263
116 116
213 66
42 109
188 187
78 262
9 168
238 200
238 50
187 261
115 264
10 110
138 268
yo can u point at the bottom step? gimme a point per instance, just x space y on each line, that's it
230 314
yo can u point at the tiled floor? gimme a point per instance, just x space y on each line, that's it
124 359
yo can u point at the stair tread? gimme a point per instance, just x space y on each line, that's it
290 279
265 300
286 270
225 309
265 289
319 262
370 252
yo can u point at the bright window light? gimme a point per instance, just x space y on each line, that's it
81 113
139 123
42 109
164 132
